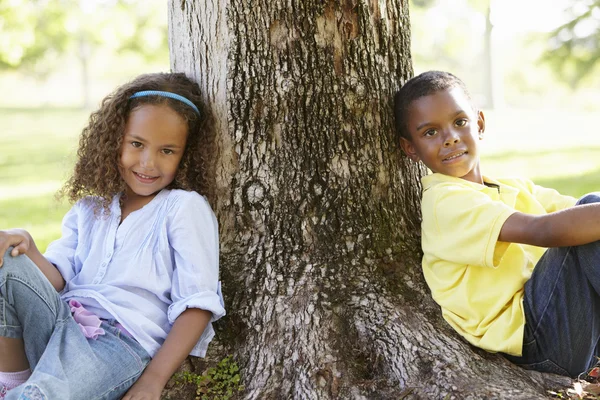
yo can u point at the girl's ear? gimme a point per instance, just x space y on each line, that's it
481 124
409 149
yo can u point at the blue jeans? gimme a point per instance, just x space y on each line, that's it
562 309
65 364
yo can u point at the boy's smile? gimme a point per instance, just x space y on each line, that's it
153 145
445 130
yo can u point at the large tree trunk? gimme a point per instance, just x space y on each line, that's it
318 210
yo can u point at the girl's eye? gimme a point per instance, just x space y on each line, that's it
461 122
167 151
429 132
136 144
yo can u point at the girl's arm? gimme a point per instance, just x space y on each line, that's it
186 331
569 227
24 244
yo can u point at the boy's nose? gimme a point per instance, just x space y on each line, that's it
451 139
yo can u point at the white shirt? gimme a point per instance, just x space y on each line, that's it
161 260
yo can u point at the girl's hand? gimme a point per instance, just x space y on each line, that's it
19 238
143 390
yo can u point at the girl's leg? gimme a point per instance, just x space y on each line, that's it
65 364
25 296
562 309
30 307
73 367
14 368
12 355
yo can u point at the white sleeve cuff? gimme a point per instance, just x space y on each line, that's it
61 262
209 301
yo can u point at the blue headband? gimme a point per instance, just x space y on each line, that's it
165 94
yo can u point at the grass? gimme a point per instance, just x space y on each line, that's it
37 154
572 171
38 147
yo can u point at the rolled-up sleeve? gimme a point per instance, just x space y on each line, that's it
193 236
61 252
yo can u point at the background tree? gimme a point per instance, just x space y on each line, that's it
318 210
573 50
452 47
36 34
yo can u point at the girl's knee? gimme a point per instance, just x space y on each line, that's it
19 265
589 198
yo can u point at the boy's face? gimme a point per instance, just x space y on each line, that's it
445 131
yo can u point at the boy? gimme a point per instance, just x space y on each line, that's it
484 240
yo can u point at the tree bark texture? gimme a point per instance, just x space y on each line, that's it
318 210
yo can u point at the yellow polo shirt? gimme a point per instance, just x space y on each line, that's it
476 279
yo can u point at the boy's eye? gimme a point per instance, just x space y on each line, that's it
461 122
429 132
136 144
167 151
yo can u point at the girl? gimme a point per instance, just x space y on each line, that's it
131 287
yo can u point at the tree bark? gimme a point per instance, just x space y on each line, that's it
318 210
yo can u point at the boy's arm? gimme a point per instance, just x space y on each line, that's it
24 244
569 227
186 331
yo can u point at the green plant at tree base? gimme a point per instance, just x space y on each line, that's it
221 382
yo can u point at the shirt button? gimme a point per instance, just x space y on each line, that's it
103 265
96 281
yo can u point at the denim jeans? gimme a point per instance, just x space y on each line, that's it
65 364
562 309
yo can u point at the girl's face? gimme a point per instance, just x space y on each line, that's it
153 145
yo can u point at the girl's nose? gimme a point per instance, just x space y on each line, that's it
147 160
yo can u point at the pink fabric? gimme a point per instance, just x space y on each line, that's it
10 380
88 323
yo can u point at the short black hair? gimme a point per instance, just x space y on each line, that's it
422 85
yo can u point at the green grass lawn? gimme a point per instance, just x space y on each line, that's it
574 171
37 152
38 147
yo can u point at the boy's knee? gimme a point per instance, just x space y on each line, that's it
589 198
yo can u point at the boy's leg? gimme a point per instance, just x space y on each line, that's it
562 309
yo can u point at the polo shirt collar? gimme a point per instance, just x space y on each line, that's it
435 178
497 191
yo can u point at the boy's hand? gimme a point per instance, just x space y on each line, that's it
19 238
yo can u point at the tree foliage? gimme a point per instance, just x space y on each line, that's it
30 31
37 33
573 50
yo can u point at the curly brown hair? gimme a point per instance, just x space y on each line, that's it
96 172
